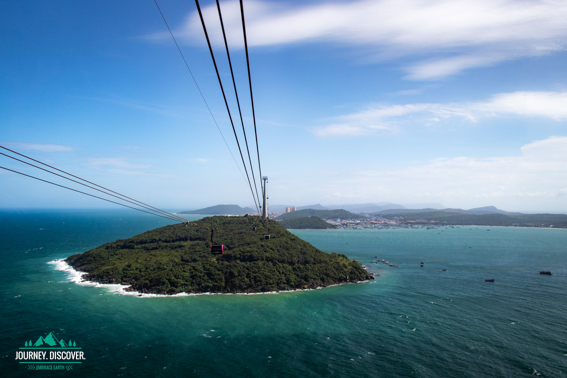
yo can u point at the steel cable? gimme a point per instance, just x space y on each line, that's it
225 100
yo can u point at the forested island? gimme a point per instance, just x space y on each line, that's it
312 223
177 258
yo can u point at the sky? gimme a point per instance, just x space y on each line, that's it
457 102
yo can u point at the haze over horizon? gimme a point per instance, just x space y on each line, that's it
356 102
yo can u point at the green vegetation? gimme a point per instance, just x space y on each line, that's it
222 210
323 214
519 220
313 223
177 258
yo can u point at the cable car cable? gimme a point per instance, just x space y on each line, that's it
237 99
225 100
77 177
102 191
199 89
251 95
91 195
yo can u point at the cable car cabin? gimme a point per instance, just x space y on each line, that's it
217 249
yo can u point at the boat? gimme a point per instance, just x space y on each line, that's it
489 280
443 270
421 265
548 272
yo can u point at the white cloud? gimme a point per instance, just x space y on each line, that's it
534 180
531 104
119 163
457 34
40 147
523 104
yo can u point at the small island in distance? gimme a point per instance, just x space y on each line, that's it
221 210
177 258
311 223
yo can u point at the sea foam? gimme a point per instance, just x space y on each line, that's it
76 276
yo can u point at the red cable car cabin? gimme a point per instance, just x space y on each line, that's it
217 249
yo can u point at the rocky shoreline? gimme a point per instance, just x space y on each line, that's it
129 287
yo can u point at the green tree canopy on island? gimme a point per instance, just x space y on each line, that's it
177 258
312 223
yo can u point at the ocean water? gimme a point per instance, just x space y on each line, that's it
409 322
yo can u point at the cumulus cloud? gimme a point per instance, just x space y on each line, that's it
455 35
523 104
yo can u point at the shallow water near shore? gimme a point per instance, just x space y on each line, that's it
410 321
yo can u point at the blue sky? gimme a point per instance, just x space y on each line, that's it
462 103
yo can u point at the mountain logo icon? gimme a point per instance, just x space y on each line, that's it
50 340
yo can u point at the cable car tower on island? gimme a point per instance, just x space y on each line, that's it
265 207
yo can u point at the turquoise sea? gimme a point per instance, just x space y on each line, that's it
409 322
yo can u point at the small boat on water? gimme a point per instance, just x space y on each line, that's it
489 280
421 265
443 270
548 272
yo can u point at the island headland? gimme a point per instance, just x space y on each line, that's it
177 258
311 223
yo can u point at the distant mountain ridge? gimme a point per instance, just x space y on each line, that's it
476 211
490 219
222 210
359 208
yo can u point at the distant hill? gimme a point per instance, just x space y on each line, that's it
370 207
323 214
476 211
361 207
403 211
222 210
312 223
314 207
498 219
481 211
430 205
